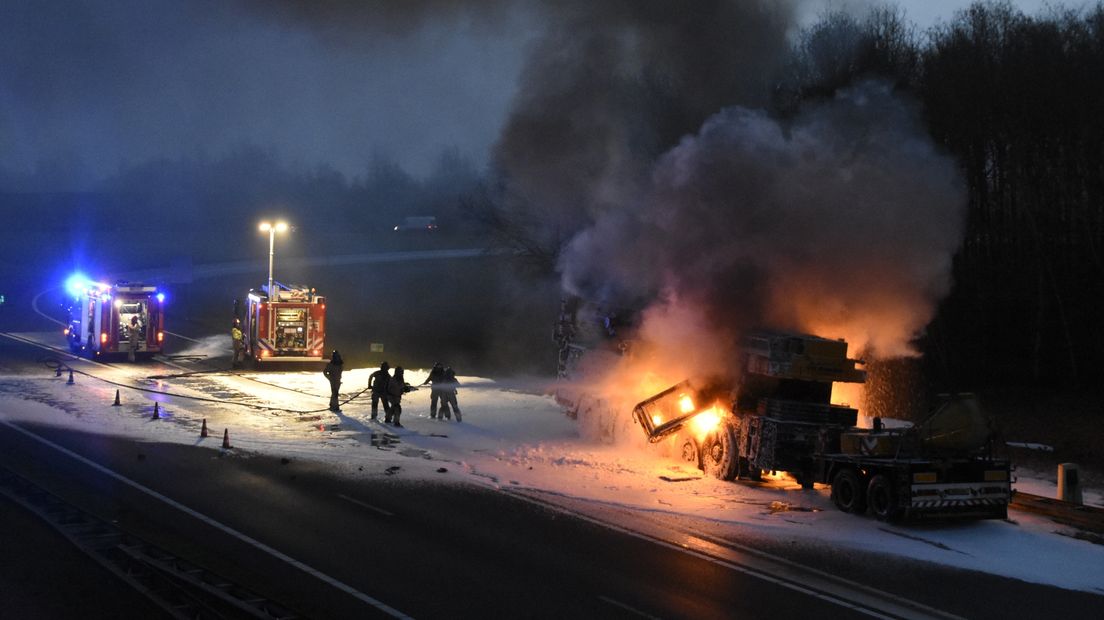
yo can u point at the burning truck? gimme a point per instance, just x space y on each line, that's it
778 417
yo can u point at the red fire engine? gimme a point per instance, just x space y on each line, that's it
289 326
100 318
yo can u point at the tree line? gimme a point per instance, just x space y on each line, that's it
1018 100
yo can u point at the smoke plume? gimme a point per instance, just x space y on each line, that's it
841 223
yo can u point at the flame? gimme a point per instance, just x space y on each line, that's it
706 422
686 404
657 419
851 395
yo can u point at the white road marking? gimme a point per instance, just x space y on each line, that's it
368 506
387 609
628 608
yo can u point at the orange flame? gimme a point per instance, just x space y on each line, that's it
706 422
686 404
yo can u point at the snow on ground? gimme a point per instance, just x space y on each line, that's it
521 440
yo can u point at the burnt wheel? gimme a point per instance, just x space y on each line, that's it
882 499
720 458
848 491
691 453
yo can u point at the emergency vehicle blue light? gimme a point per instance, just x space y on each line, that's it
76 284
160 298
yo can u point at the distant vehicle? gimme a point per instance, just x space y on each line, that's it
100 317
417 223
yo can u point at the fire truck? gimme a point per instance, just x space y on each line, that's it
100 318
287 326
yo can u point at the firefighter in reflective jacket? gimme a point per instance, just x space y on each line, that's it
133 338
239 343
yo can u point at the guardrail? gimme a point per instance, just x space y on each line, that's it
1088 518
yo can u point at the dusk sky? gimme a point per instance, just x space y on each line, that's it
94 85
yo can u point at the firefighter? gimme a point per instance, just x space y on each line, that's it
238 338
396 387
448 394
332 371
436 375
132 344
377 382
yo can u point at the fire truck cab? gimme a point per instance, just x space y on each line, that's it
100 318
287 326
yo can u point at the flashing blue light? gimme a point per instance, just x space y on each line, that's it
160 298
76 284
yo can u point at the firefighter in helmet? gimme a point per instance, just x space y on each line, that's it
239 343
377 382
436 376
133 335
332 372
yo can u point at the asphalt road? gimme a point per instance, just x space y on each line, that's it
328 547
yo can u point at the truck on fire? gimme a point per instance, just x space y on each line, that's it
100 318
778 417
286 325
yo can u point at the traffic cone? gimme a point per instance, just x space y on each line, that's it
203 431
156 411
116 403
58 373
226 439
70 381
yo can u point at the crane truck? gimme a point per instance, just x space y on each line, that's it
778 417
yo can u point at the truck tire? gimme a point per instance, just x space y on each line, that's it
848 493
720 458
882 498
691 452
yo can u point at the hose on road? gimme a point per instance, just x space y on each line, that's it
55 363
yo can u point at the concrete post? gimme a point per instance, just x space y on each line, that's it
1069 483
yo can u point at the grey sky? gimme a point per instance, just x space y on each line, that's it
109 82
102 83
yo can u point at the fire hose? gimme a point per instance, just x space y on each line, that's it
55 363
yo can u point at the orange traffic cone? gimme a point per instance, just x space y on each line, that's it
226 439
70 381
203 431
156 411
116 403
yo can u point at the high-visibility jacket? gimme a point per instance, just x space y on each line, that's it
236 334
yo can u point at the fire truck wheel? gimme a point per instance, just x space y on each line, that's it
882 499
847 491
720 457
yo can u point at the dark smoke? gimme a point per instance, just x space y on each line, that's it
841 223
610 85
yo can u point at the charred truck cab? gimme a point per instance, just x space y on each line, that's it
778 417
287 326
100 318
